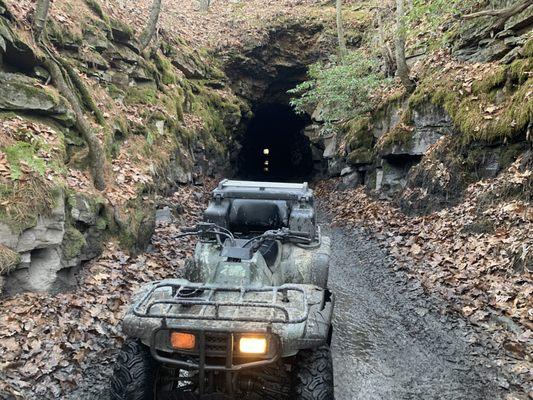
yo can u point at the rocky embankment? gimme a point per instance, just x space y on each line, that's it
162 117
468 119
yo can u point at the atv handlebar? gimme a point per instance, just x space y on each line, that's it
300 233
207 228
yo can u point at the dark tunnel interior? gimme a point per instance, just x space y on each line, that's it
274 147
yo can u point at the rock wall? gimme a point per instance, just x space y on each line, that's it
52 250
468 119
164 104
416 153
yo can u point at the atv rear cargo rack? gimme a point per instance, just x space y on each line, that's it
203 295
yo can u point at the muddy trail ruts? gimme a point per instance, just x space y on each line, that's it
390 341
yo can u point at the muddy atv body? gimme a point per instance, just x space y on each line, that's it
251 316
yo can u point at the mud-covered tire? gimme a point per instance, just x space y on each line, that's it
313 375
133 377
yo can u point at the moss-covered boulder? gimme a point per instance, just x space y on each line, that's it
73 244
84 208
21 93
360 156
137 224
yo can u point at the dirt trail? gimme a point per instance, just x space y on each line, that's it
390 341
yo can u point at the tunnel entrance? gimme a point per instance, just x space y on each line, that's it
274 147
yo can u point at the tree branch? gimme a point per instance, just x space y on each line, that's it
504 13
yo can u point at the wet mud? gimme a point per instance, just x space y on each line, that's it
390 341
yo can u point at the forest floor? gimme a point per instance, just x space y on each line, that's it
476 257
392 339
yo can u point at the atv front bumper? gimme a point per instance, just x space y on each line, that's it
291 317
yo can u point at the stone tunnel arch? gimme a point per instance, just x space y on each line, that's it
261 76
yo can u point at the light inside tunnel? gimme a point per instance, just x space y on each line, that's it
274 147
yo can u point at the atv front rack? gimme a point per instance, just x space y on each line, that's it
182 299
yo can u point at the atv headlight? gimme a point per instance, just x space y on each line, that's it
182 341
253 345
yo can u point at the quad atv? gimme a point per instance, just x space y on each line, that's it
251 317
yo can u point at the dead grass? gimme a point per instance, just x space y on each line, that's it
23 201
8 260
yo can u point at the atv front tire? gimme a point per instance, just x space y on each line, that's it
313 375
133 377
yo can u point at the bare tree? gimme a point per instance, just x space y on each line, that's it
401 63
386 51
340 31
51 62
40 17
151 27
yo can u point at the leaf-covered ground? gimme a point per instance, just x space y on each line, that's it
49 342
478 256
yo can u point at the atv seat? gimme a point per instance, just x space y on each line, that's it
248 215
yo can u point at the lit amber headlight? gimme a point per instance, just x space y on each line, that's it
182 341
253 345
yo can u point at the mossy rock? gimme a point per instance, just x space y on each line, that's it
20 93
73 243
120 31
527 50
165 67
401 135
63 37
358 133
361 156
85 208
506 93
491 82
141 95
138 225
115 92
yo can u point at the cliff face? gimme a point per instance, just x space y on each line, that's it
162 116
469 119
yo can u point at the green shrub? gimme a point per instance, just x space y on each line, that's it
343 90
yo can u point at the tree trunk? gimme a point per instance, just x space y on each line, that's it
401 63
151 27
340 31
40 17
96 154
386 51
